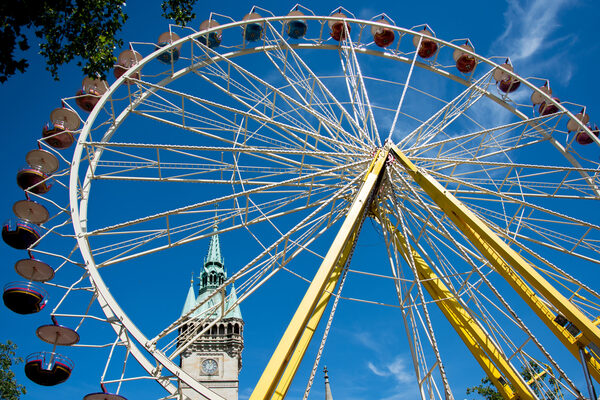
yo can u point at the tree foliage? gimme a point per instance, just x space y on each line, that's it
82 30
9 388
544 386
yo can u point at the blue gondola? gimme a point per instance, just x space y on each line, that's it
296 28
211 40
171 55
252 31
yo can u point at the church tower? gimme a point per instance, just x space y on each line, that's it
215 358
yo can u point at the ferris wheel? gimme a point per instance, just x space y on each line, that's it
287 134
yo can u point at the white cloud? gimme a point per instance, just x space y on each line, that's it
529 26
396 369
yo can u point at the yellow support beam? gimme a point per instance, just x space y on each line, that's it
492 360
284 353
521 275
300 350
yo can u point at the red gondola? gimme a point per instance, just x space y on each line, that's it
428 47
42 160
584 138
103 396
549 108
34 270
90 92
31 211
33 180
126 60
506 82
574 123
382 36
57 335
24 297
48 368
338 31
465 62
58 133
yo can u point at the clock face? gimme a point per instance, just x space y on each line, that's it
209 366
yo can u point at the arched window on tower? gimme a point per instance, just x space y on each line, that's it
221 329
236 329
229 329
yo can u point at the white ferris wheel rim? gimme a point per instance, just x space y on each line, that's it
79 197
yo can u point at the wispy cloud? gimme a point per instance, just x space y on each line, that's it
397 369
529 26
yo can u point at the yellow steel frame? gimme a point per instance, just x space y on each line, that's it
521 275
491 359
277 376
286 358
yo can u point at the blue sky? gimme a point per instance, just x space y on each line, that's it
369 359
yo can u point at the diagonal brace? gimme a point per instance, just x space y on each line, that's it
485 351
284 353
521 275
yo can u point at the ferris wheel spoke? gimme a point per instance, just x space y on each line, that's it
495 327
357 91
301 81
332 125
207 164
445 116
261 274
568 223
330 173
258 262
321 96
231 125
242 216
529 126
316 93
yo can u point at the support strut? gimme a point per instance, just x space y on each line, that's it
289 352
490 357
521 275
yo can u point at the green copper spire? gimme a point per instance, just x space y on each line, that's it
190 300
211 277
213 274
214 251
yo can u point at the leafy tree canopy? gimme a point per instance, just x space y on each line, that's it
9 388
82 30
543 385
